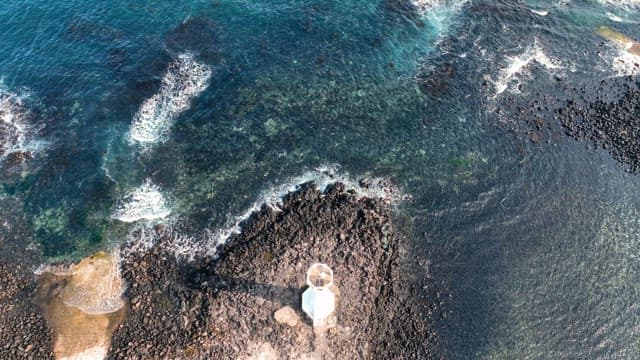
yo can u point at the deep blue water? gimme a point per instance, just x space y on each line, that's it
536 243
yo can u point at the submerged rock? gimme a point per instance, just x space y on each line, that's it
611 124
198 34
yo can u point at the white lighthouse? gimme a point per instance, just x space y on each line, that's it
318 301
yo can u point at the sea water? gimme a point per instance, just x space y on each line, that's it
193 113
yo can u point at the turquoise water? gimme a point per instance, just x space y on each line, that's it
534 244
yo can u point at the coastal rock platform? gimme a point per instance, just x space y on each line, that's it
224 307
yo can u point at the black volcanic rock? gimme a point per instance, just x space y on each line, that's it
23 330
223 308
611 124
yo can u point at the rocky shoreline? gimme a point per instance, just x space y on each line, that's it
23 331
224 307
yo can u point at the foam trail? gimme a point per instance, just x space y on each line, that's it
15 129
427 6
623 4
439 12
143 203
188 247
539 12
517 68
614 17
625 63
183 81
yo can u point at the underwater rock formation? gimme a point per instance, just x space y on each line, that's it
196 34
612 125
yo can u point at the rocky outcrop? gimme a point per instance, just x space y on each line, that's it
224 308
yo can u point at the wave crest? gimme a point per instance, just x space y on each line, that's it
184 80
143 203
192 246
15 128
517 68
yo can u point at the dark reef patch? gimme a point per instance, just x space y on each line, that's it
198 35
605 114
612 125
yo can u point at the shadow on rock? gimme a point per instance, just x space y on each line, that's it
224 307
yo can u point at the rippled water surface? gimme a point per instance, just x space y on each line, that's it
119 115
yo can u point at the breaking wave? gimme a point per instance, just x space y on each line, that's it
440 13
518 69
427 6
16 129
322 177
184 80
190 247
143 203
540 12
625 63
624 4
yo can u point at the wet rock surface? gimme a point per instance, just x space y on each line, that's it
576 97
23 331
610 124
605 115
224 308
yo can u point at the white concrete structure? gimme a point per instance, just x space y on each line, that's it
318 302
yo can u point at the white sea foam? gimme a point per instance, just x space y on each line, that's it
622 53
614 17
623 4
517 68
539 12
322 177
186 247
184 80
439 13
16 130
426 6
189 247
143 203
625 63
